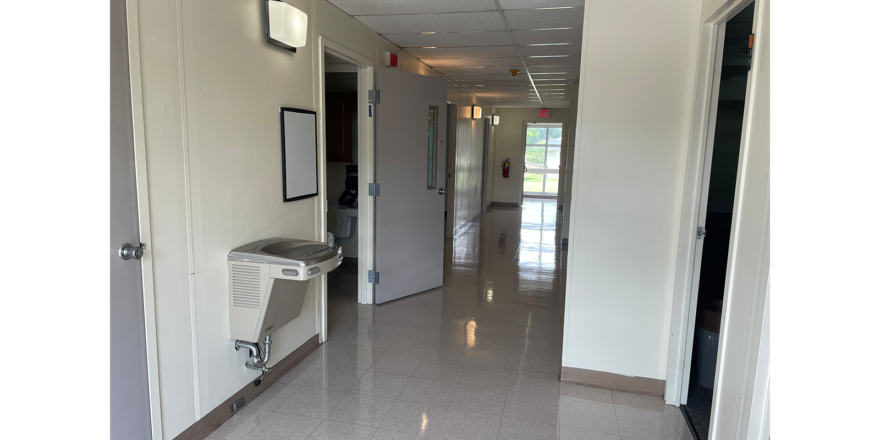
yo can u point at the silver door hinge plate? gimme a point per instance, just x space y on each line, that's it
374 189
372 277
701 232
374 96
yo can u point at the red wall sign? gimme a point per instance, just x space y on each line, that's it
544 113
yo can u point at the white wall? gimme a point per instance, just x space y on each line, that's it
569 165
468 163
509 142
212 87
635 105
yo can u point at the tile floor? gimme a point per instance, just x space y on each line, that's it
476 359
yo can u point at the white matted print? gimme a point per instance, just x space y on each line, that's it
299 153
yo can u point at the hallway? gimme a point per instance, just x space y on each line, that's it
478 358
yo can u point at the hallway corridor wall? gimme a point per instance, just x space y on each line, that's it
211 91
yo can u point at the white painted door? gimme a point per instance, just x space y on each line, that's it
129 396
410 170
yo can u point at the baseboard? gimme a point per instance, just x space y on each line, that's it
206 425
506 204
601 379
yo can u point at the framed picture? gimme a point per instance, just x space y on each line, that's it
299 153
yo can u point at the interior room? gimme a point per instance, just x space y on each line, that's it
458 219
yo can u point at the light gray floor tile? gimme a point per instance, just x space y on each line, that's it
573 433
396 364
240 424
336 379
409 346
352 358
414 418
638 401
486 376
278 426
534 383
458 424
431 392
479 399
273 396
299 374
452 352
311 402
537 408
587 415
518 429
440 369
640 424
584 392
333 430
362 409
384 434
381 384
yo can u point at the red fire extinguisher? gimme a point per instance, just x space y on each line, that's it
505 168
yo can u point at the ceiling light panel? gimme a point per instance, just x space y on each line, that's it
454 22
549 36
532 4
463 52
477 78
544 18
389 7
554 68
473 62
571 50
495 83
451 39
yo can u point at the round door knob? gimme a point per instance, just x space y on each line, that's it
127 252
441 191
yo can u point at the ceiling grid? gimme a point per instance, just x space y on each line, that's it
475 43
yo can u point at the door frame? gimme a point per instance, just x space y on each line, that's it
143 204
366 171
699 160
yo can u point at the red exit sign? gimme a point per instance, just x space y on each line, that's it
544 113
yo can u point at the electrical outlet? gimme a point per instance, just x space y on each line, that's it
236 405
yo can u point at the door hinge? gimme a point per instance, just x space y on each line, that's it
374 189
372 277
701 232
374 96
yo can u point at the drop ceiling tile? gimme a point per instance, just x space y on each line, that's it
532 4
541 76
572 35
553 68
544 61
496 77
388 7
472 62
545 18
568 49
464 52
496 83
455 22
451 39
505 70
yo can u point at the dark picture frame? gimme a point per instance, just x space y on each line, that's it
299 153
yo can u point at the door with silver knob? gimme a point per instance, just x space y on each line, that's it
129 395
441 191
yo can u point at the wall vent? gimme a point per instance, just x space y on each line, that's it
246 286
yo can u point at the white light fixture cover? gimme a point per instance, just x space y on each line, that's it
496 119
288 26
476 112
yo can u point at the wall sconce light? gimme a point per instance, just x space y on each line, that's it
476 112
496 119
288 26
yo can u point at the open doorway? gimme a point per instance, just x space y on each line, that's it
715 218
542 157
341 144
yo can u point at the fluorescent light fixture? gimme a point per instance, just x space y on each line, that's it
430 47
496 119
476 112
428 33
548 44
478 85
288 26
550 29
547 56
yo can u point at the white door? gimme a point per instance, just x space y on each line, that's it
129 397
410 170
